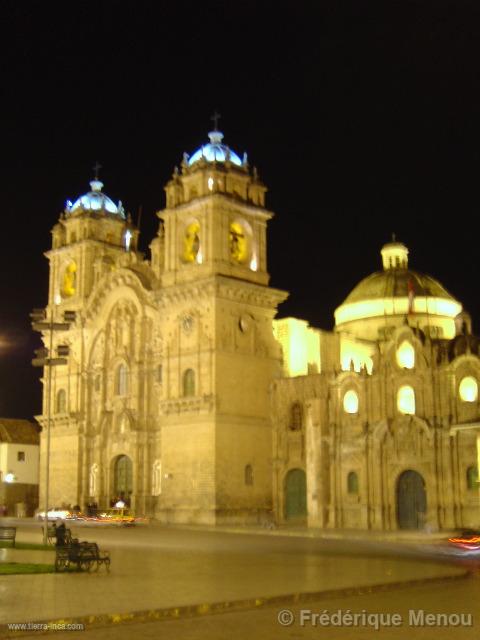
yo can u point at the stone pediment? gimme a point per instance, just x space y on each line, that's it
406 437
111 284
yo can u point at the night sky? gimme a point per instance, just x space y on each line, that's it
361 117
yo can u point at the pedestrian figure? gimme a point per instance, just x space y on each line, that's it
60 534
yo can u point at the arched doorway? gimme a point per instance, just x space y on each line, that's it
122 478
411 500
295 494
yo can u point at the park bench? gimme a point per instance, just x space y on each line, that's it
51 535
8 533
82 554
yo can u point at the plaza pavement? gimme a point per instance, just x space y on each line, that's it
157 580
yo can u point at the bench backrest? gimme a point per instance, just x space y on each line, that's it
8 532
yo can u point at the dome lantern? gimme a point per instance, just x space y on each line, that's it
394 255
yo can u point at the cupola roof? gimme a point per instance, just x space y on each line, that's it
95 201
216 151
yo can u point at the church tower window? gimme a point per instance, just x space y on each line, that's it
350 402
61 401
249 475
189 383
468 389
239 241
191 243
69 282
121 380
406 355
406 400
352 482
296 417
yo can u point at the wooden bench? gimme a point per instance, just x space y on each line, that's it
8 533
83 554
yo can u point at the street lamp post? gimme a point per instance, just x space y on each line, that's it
44 359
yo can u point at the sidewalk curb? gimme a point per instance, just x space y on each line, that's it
196 610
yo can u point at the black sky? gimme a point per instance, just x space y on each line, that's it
361 117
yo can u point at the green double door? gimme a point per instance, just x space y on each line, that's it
295 495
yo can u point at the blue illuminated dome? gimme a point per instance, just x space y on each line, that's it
216 151
95 200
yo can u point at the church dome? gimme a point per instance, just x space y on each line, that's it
95 201
389 297
216 151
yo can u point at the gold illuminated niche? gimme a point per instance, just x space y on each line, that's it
406 355
191 242
69 280
238 242
468 389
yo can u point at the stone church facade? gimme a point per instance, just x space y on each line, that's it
186 397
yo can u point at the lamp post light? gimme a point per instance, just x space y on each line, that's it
44 359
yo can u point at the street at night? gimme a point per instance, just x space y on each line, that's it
163 568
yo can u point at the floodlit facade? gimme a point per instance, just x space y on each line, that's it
385 435
185 396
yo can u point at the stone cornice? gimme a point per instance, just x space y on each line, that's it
222 287
229 202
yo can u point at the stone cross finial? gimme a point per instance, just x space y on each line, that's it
216 116
96 167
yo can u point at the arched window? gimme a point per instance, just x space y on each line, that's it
352 482
472 477
249 475
406 400
61 401
121 380
191 242
468 389
239 240
350 402
406 355
189 382
296 417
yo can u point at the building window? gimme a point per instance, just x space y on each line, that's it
121 380
97 383
249 475
189 382
350 402
406 355
159 374
191 243
296 417
21 456
406 400
472 477
352 482
468 389
61 401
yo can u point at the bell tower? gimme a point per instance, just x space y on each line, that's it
92 234
211 259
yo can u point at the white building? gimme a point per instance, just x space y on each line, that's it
19 466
